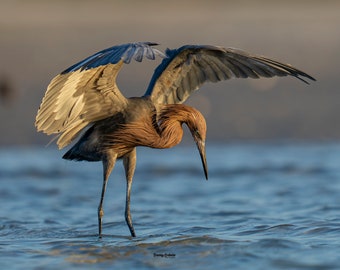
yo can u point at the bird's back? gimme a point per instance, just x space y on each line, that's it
109 133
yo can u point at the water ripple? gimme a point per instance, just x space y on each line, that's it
259 210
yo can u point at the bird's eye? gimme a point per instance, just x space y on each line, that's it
197 133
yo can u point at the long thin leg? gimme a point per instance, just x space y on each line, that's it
129 165
108 165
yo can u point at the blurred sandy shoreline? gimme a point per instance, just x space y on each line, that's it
41 38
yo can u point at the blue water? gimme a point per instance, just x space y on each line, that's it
265 206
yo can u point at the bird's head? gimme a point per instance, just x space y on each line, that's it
198 128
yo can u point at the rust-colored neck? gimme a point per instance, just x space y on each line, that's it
157 131
170 123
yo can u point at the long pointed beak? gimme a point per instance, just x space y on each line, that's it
201 148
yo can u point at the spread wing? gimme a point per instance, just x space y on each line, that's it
187 68
87 91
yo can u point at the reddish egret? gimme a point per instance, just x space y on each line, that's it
86 96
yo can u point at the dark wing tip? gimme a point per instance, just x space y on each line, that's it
304 80
275 68
306 76
302 76
150 43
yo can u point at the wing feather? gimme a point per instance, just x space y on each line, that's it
87 91
187 68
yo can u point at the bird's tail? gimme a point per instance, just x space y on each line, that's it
70 155
75 154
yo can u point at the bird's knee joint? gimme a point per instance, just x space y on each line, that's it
100 213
